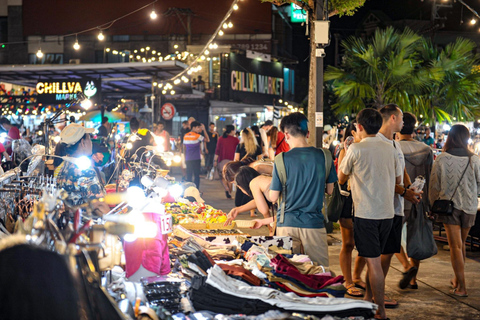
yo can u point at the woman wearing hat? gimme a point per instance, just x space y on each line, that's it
79 179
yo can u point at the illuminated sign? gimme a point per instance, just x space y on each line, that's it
64 91
297 14
251 82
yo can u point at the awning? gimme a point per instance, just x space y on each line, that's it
119 80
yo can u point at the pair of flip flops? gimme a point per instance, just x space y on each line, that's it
455 293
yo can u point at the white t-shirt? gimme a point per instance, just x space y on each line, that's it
372 177
399 200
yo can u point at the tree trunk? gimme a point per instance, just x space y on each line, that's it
312 85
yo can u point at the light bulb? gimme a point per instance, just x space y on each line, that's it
473 21
147 48
107 49
160 85
83 163
86 104
230 24
172 92
76 46
175 46
39 53
100 36
235 7
153 15
225 25
207 52
221 33
176 81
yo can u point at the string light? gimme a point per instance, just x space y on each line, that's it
473 21
76 46
39 54
235 6
221 33
100 36
153 14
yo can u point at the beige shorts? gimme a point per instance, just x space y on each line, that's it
458 218
312 242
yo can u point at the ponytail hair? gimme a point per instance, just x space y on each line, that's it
229 128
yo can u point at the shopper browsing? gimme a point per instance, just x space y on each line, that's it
374 169
306 182
447 183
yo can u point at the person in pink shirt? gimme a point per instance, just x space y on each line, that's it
224 153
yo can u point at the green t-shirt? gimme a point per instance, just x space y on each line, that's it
305 168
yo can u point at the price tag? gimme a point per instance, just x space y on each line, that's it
318 119
166 224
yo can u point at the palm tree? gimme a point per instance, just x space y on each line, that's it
377 71
455 94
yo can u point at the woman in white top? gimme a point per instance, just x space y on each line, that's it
446 182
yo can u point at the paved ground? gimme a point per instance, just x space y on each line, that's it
432 299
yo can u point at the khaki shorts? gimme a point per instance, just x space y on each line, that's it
312 242
458 218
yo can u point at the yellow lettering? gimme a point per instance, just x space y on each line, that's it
78 87
251 76
64 87
48 87
71 86
40 87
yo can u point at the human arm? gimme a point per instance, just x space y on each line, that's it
263 135
329 188
205 134
262 222
274 195
167 143
235 211
258 195
405 191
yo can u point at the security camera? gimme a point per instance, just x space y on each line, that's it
321 53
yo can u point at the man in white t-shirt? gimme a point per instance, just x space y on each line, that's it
373 186
392 121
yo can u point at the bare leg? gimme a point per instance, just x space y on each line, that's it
402 257
457 237
376 285
386 260
346 228
357 271
415 263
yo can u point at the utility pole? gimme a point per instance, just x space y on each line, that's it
319 53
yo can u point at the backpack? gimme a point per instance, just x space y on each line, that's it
282 175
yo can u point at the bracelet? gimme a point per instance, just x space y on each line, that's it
404 192
408 187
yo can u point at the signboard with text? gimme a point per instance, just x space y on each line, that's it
254 81
65 91
297 14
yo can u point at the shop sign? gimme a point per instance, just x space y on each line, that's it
168 111
253 81
65 91
297 14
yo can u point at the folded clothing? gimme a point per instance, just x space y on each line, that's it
240 271
283 266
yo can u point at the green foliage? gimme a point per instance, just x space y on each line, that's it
340 7
406 69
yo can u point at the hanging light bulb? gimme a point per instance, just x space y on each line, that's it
176 81
100 36
172 92
473 21
230 24
153 14
175 46
39 54
221 33
235 6
207 52
76 46
108 49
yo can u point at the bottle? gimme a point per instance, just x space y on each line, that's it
418 184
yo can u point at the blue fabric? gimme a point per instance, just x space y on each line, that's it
305 168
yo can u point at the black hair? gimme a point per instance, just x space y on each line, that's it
185 122
162 123
370 119
229 128
105 120
4 121
134 124
243 178
255 130
36 284
351 127
457 138
268 123
296 124
195 124
211 123
409 121
388 110
230 169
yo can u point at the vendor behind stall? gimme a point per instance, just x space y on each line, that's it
81 184
143 138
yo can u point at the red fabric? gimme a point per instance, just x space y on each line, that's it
226 148
281 285
2 150
13 134
151 253
282 145
283 266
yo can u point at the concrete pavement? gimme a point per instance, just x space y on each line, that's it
432 299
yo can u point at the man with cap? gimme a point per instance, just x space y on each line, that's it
76 174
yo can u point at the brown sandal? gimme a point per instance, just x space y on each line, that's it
354 291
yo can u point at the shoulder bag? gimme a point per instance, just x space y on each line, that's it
445 207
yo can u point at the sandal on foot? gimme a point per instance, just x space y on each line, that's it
353 291
407 277
361 285
455 293
389 303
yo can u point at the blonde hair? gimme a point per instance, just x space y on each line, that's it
249 141
272 134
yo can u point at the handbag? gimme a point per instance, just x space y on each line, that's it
420 242
334 203
445 207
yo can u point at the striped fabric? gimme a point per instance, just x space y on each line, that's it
192 143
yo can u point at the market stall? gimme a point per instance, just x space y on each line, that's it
162 253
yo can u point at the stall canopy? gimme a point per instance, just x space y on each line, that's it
119 80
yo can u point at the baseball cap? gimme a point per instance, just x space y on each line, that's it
194 193
72 133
